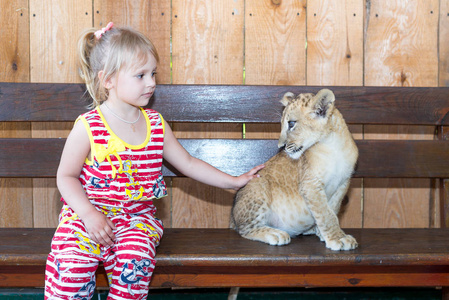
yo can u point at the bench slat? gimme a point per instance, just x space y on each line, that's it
357 276
217 103
400 159
224 247
227 259
42 162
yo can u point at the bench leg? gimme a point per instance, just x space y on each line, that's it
233 293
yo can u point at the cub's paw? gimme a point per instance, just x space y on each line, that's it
277 238
347 242
270 236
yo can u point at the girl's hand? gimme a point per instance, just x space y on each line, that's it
100 228
243 179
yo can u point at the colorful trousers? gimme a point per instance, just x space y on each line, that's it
129 263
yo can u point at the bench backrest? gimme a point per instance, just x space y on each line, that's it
45 102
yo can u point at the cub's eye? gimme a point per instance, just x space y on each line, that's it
291 124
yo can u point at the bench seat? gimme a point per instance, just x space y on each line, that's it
221 258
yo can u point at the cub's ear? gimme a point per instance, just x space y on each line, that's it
288 98
323 103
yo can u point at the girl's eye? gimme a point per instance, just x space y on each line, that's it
140 76
153 74
291 124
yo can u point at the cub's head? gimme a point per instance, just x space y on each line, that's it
305 120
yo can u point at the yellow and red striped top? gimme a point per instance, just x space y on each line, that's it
119 171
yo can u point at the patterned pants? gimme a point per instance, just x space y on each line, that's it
129 264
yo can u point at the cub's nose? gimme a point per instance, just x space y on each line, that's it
281 144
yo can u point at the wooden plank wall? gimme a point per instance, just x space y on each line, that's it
288 42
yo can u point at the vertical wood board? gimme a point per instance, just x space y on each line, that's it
16 207
152 18
401 43
335 42
275 50
443 197
55 29
444 43
15 37
275 41
207 41
207 45
400 50
15 194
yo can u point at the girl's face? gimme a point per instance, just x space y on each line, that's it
136 84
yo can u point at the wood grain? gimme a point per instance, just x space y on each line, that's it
46 202
178 249
15 210
207 40
404 46
402 43
16 205
332 277
444 44
149 17
275 42
335 57
199 205
55 27
389 257
46 197
444 81
335 42
400 159
216 103
401 50
444 203
15 37
207 48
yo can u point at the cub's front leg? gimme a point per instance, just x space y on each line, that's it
328 228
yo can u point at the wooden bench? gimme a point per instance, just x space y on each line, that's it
220 257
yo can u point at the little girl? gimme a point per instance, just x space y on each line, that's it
110 172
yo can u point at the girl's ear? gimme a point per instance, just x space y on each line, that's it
107 84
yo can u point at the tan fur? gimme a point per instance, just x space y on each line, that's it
301 188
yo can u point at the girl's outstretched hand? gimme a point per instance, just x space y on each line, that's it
243 179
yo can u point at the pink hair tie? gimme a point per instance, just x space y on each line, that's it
102 31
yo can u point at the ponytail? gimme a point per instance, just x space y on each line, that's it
86 44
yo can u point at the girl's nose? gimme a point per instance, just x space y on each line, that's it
151 81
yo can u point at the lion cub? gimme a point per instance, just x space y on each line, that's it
300 190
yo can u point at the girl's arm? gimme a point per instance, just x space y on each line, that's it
199 170
76 149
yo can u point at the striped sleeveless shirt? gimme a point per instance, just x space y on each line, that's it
119 171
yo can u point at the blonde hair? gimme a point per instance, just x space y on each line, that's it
117 48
